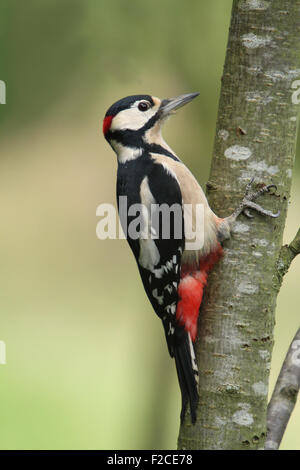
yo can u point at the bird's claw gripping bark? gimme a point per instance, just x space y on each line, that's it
248 203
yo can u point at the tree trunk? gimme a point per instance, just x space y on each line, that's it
255 137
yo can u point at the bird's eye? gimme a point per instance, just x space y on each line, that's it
144 105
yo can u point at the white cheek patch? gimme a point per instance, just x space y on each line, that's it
132 118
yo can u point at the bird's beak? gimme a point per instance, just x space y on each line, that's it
171 104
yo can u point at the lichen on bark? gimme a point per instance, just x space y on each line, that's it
255 137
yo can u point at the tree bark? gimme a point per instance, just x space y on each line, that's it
255 137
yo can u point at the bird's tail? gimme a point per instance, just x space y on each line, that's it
187 372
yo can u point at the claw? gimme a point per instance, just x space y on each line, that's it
275 215
248 214
247 203
270 186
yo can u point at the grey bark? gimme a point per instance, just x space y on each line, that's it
255 137
284 396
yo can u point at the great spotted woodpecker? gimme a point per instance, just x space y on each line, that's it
151 174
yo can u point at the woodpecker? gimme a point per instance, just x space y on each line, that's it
150 174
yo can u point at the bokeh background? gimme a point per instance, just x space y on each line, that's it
87 365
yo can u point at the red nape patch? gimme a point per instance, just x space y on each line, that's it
190 291
106 124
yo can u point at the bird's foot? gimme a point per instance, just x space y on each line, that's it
244 207
248 203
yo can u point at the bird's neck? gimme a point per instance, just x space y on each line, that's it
130 146
125 152
154 139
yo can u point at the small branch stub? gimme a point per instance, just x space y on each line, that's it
286 256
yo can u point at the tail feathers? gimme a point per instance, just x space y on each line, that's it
187 372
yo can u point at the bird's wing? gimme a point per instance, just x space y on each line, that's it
159 255
158 258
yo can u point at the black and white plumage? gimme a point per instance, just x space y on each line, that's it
144 177
150 174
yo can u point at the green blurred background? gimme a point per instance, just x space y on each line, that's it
87 365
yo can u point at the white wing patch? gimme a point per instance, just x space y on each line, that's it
159 298
149 254
171 308
171 329
169 288
164 162
171 264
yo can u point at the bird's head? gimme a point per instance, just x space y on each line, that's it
135 121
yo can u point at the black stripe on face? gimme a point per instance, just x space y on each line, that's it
126 103
133 137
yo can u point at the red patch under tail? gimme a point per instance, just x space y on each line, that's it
190 291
